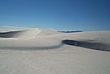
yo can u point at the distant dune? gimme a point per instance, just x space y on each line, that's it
46 51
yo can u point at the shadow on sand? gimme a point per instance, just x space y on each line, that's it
9 34
88 44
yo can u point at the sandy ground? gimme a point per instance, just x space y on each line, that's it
37 51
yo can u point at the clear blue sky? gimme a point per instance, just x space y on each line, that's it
84 15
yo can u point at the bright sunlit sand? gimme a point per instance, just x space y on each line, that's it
47 51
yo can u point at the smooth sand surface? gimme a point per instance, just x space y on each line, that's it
39 51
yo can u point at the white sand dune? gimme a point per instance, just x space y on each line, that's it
39 51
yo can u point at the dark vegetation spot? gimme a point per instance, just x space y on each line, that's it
70 31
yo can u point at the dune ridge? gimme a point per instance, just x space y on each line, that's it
46 38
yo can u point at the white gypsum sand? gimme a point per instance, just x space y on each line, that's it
39 51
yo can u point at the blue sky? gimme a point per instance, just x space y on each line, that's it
83 15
